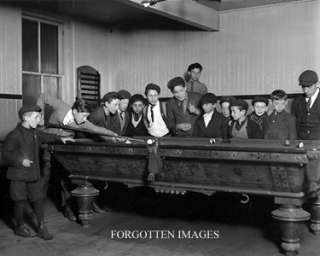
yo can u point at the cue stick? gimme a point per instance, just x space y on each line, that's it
67 127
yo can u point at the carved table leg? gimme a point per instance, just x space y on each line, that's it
291 219
85 194
315 216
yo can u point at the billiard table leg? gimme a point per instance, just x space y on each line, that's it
315 216
85 194
291 218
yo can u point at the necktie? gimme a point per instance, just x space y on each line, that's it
122 119
308 101
152 113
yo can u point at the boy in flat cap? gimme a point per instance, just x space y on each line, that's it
120 120
280 124
259 114
136 126
242 127
183 109
154 115
102 115
211 123
306 108
192 79
21 152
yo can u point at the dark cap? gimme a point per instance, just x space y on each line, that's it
109 97
137 97
226 99
308 78
28 108
260 99
240 103
152 86
208 98
175 82
124 94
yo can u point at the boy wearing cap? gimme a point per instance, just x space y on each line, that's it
136 126
280 124
121 119
306 108
211 123
182 109
192 79
102 115
21 152
153 114
259 114
243 127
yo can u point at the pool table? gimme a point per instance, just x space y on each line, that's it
287 171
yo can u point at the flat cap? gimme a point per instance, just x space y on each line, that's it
240 103
175 82
208 98
137 97
152 86
226 99
308 78
260 99
109 96
124 94
28 108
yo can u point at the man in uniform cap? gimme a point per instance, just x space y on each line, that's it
211 123
183 109
242 127
154 115
306 108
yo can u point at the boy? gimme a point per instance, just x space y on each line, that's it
21 151
306 108
120 120
242 127
136 126
259 114
211 123
280 124
182 108
193 84
153 114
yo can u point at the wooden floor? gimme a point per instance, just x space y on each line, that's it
71 239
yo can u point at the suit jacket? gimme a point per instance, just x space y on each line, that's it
176 115
99 118
253 130
307 122
215 128
115 124
20 144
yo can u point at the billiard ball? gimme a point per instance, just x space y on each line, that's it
149 141
212 141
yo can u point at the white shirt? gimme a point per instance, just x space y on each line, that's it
134 122
207 117
158 127
313 97
68 119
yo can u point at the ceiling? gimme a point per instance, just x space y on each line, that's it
130 14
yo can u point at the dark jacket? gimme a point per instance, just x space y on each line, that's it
176 115
261 121
215 128
307 122
281 126
99 118
253 130
139 130
115 124
20 144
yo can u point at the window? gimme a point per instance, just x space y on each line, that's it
40 59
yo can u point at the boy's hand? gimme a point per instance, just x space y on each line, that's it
65 139
183 126
193 110
27 163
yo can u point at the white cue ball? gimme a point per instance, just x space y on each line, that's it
149 141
